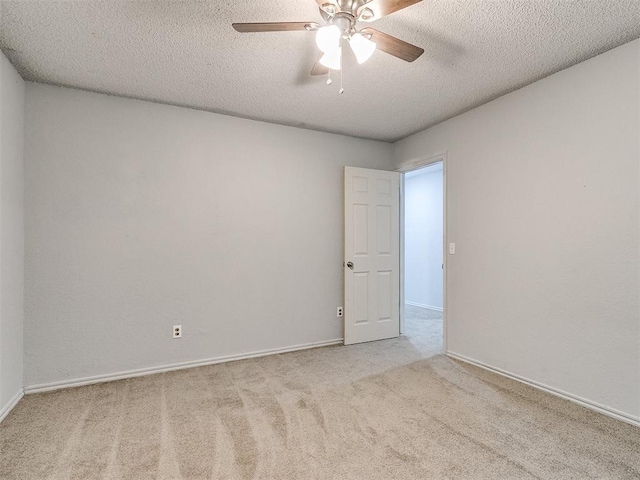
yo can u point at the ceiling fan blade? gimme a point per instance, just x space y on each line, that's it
394 46
380 8
273 26
318 68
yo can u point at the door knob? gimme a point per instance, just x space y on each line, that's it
350 265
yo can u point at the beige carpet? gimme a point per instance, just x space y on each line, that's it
382 410
424 329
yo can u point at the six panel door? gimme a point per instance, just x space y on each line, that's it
372 255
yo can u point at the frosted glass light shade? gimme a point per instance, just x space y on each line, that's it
332 59
328 38
362 47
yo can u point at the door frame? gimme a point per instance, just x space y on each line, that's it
409 167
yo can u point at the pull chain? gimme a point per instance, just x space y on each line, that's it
341 91
329 81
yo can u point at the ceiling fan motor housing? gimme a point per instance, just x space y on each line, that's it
344 21
353 8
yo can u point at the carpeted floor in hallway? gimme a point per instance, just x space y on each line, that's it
394 409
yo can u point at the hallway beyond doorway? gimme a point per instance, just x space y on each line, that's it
423 327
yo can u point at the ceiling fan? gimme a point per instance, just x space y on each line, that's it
340 25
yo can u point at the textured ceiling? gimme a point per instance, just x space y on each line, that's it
186 53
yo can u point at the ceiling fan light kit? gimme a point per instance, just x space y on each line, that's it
332 59
362 47
328 38
341 17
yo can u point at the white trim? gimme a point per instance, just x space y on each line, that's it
610 412
422 305
401 252
77 382
4 411
421 162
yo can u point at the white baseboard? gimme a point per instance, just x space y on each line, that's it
77 382
422 305
6 409
610 412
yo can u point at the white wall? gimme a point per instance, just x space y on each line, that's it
12 90
140 216
423 237
543 205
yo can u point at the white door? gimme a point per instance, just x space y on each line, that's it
372 255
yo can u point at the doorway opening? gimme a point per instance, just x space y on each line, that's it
423 258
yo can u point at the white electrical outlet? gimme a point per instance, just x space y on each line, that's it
177 331
340 311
